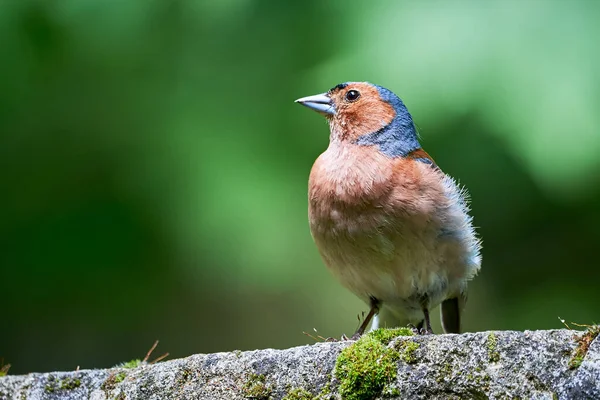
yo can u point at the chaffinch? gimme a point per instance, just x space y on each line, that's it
389 224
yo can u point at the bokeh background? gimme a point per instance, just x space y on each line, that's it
153 165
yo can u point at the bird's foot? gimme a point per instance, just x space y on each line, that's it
419 330
414 329
343 338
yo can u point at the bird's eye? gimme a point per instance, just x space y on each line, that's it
352 95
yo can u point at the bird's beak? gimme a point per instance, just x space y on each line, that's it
321 103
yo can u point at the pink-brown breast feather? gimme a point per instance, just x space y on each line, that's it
356 189
376 214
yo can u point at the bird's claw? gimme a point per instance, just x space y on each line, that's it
414 329
344 338
421 331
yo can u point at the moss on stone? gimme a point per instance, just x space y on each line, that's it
23 393
445 372
50 385
583 344
298 394
69 383
113 379
4 368
131 364
492 343
185 376
407 351
366 367
385 335
256 388
389 391
325 393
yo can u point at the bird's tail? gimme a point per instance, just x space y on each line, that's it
450 311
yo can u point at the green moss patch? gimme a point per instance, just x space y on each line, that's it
325 393
185 375
365 368
407 350
113 379
298 394
446 372
131 364
120 377
4 368
256 388
492 343
50 385
583 344
67 383
386 335
70 383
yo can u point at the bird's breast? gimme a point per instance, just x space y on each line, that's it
347 192
358 192
357 216
378 221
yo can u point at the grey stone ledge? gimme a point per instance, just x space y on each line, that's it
520 365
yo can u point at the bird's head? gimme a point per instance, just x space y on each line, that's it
365 114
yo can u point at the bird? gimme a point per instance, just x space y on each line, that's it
389 224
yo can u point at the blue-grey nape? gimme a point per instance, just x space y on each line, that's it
399 137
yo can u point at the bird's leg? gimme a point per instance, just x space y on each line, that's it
372 312
427 330
425 307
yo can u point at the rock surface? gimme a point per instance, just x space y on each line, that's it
494 365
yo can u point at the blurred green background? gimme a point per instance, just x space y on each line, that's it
154 166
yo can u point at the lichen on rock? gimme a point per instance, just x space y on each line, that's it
557 364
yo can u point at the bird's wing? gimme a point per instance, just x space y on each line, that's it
421 155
